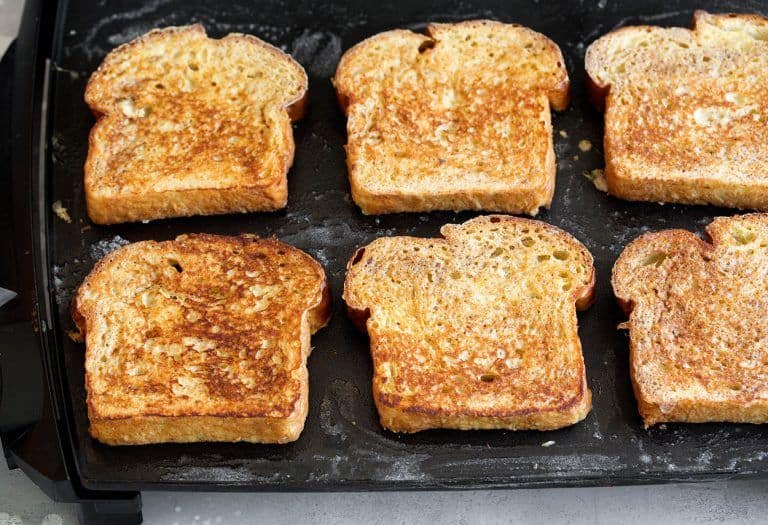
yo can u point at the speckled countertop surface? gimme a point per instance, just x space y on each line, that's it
731 502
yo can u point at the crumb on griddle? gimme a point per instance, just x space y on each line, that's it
61 212
598 179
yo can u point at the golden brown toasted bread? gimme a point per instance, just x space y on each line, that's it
477 329
686 115
455 119
204 338
698 327
189 125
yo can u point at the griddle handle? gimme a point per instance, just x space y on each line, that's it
22 379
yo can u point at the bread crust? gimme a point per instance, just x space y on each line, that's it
691 356
231 184
416 402
695 139
139 365
145 430
520 185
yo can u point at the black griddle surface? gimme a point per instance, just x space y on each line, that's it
343 446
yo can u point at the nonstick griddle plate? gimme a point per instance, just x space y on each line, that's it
343 446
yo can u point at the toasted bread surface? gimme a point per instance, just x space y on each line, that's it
203 338
477 329
455 119
190 125
686 116
698 327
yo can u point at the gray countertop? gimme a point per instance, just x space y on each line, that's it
731 502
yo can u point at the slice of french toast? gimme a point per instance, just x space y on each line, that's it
203 338
455 119
698 328
189 125
686 116
476 330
